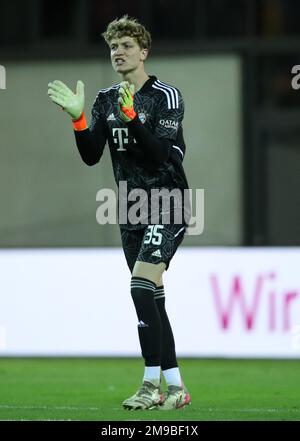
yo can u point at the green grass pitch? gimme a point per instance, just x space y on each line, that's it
94 388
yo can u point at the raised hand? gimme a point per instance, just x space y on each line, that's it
125 100
72 103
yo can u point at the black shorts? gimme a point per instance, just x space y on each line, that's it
152 244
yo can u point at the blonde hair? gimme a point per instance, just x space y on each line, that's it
128 27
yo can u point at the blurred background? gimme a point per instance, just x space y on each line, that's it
232 61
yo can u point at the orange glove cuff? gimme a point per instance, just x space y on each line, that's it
129 112
80 123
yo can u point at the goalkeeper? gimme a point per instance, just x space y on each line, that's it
141 119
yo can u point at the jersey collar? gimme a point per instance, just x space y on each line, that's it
148 84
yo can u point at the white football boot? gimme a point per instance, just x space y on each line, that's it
148 397
176 398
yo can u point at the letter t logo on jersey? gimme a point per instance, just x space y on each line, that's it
120 140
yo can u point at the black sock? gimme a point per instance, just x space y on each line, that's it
168 355
149 327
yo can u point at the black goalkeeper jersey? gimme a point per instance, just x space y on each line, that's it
158 127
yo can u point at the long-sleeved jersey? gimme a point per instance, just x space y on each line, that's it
147 152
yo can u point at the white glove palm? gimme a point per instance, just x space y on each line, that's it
72 103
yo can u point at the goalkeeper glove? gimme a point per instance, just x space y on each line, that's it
72 103
125 100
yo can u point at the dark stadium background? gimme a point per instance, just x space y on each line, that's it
263 33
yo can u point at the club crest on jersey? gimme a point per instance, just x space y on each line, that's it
142 117
169 124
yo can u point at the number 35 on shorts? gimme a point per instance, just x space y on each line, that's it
153 235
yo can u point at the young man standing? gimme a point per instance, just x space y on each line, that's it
141 120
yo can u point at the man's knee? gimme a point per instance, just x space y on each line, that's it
149 271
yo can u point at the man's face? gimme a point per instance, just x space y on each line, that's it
126 55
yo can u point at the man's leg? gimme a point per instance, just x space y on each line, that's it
177 396
143 284
166 239
169 363
145 277
153 258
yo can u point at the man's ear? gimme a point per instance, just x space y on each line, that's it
144 54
